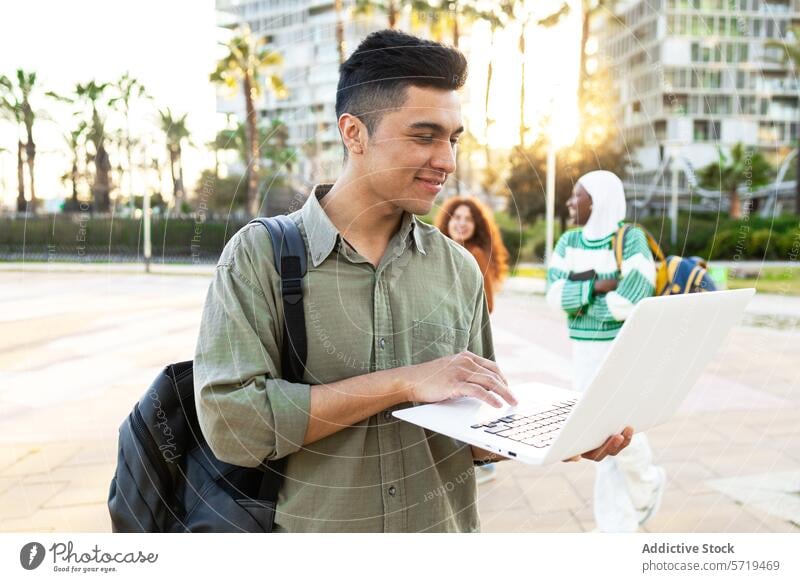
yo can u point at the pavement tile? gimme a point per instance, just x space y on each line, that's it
41 459
688 476
747 460
79 518
24 499
548 494
87 484
706 513
513 521
502 493
10 453
775 493
93 453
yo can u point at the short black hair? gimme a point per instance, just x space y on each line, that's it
374 79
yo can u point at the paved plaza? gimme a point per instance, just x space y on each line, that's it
78 349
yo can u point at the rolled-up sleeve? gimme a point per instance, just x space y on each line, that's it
247 413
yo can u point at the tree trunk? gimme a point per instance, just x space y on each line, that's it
582 74
339 30
488 120
30 154
74 177
176 192
180 174
797 181
456 34
522 91
253 202
21 203
102 180
735 211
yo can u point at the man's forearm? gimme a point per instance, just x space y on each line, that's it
341 404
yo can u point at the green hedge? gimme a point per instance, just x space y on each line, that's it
754 238
81 235
73 235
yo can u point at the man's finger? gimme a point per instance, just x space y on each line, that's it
493 383
600 452
479 392
627 435
489 364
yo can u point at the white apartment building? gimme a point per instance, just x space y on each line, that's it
693 75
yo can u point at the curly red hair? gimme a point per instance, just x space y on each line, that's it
486 237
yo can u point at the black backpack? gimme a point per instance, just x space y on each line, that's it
167 478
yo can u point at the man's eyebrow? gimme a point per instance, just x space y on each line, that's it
434 127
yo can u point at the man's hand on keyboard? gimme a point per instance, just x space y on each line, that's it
613 445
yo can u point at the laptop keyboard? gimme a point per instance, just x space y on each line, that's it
537 430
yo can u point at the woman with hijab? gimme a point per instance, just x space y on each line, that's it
584 281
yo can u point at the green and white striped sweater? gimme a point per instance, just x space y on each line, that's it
599 317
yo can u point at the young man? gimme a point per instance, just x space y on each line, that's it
395 314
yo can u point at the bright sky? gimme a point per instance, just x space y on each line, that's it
171 46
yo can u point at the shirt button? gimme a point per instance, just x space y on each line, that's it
387 415
392 491
382 342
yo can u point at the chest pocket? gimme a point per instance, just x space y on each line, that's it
433 340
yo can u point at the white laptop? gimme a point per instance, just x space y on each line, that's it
651 366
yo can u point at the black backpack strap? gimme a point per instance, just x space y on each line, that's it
290 262
289 250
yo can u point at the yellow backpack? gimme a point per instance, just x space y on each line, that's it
674 274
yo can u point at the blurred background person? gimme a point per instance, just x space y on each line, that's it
468 221
584 281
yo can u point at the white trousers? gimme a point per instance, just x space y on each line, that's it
627 483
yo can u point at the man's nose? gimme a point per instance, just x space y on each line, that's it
444 158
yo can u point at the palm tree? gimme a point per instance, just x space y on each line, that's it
273 140
340 46
247 61
92 94
390 7
742 167
15 101
74 140
91 97
129 90
176 132
497 17
14 115
518 10
790 55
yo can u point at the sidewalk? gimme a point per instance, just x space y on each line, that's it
69 375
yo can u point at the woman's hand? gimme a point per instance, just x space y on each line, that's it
604 286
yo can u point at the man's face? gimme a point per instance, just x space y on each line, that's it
413 149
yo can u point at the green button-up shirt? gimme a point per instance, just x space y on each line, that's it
424 300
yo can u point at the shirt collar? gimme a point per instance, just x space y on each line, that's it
322 234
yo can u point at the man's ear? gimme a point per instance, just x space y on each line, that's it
353 132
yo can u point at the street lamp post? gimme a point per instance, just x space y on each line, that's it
146 216
673 207
550 201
